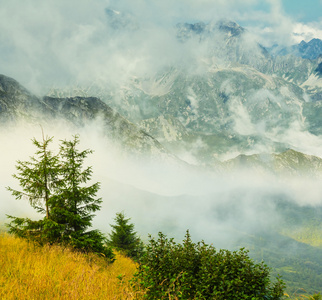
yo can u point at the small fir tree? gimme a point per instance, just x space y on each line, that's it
123 237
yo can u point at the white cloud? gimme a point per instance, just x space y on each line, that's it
306 32
240 116
61 42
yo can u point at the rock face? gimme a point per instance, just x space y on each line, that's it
19 105
82 110
16 102
165 128
289 162
231 43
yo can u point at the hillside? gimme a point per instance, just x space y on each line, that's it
31 272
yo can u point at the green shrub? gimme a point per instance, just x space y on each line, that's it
197 271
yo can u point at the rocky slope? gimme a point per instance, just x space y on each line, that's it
288 163
308 50
17 105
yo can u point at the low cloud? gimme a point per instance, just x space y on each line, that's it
217 207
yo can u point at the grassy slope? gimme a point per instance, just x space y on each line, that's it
31 272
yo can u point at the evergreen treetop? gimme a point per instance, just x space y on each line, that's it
124 238
75 202
39 177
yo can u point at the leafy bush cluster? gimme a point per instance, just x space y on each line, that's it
55 185
169 270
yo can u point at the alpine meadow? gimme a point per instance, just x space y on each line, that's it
160 149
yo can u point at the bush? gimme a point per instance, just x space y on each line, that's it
197 271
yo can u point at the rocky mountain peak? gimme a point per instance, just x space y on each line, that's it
15 100
308 50
230 27
10 86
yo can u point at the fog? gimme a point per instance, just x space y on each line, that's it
220 208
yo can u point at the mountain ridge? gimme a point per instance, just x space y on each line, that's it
17 104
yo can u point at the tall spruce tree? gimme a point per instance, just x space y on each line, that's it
39 179
123 237
75 203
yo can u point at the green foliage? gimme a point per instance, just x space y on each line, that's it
317 296
38 177
124 238
73 202
41 231
56 185
197 271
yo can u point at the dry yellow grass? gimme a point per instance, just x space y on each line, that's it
31 272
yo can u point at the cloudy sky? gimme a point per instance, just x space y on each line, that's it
60 42
290 21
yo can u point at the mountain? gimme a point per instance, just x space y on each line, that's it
289 163
231 44
18 105
190 127
308 50
239 101
16 102
229 28
235 98
300 64
228 42
235 105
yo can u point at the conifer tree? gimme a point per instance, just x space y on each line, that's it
123 237
75 203
77 199
39 179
